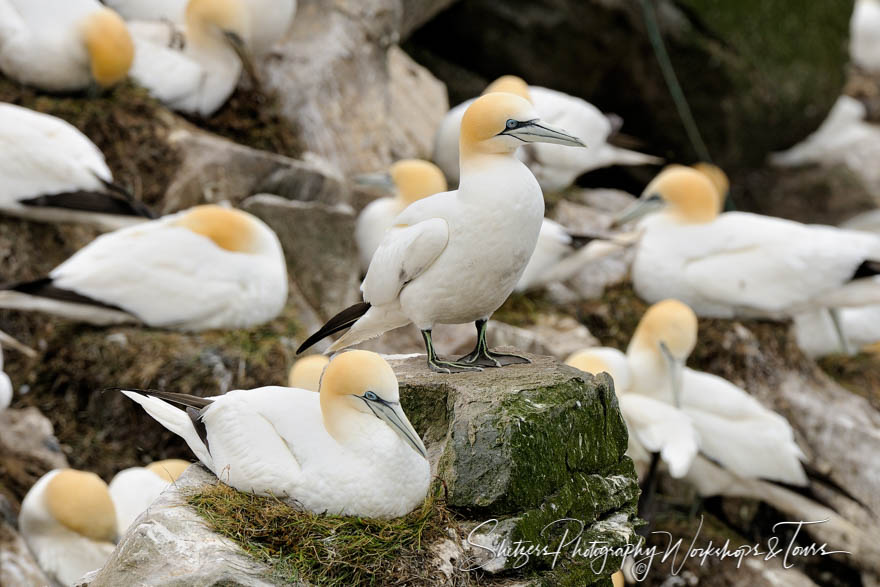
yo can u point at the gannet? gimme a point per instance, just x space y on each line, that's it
50 171
409 180
133 490
554 167
864 38
347 450
734 429
198 77
455 257
63 46
69 523
654 425
306 372
269 19
741 264
206 267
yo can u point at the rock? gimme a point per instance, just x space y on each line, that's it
17 564
28 450
172 531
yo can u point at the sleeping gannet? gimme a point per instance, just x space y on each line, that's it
198 77
454 257
740 264
50 171
654 425
409 180
864 40
554 167
202 268
347 450
133 490
63 46
306 372
69 523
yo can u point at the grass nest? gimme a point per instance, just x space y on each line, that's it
328 550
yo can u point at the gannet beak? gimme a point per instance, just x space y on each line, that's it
10 342
538 131
642 207
676 373
238 45
392 414
380 180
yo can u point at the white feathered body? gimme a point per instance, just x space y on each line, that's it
272 440
372 224
133 490
864 44
554 244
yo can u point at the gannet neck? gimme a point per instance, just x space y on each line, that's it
691 197
230 229
415 179
512 85
208 20
81 502
110 47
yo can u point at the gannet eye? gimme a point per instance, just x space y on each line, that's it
511 124
371 396
654 198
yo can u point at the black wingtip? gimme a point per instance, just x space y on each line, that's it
45 288
867 269
116 202
340 321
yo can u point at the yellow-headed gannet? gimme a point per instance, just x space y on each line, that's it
654 425
306 372
69 523
50 171
864 36
133 490
410 180
63 46
347 450
206 267
741 264
199 76
554 167
455 257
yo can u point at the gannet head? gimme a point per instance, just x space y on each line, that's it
228 21
718 178
499 123
683 192
229 229
602 360
75 500
409 179
510 84
110 48
306 372
362 382
168 469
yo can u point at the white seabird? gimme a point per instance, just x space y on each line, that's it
409 180
455 257
306 372
133 490
554 167
50 171
739 264
68 521
63 46
347 450
203 268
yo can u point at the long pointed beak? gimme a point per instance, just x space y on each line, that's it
640 208
244 55
676 374
392 414
538 131
380 180
12 343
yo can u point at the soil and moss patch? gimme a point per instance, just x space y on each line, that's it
859 374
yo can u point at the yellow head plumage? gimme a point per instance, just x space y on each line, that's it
352 373
110 48
510 84
169 469
416 179
689 193
306 372
486 118
229 16
230 229
81 502
718 178
670 323
587 362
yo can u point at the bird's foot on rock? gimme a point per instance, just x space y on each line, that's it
489 359
439 366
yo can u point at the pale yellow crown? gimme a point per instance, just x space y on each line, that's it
169 469
416 179
510 84
690 194
202 16
306 372
718 178
109 44
587 362
230 229
81 502
487 117
669 322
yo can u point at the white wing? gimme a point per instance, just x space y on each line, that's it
662 428
11 23
169 74
372 224
170 10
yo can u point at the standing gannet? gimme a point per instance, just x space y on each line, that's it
206 267
50 171
306 372
198 77
133 490
347 450
734 429
69 523
554 167
63 46
740 264
864 41
410 180
455 257
654 425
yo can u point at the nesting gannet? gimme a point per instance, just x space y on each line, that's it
741 264
734 429
50 171
206 267
63 46
554 167
306 372
347 450
455 257
133 490
864 40
654 425
199 76
69 523
410 180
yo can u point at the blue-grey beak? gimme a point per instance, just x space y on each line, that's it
392 414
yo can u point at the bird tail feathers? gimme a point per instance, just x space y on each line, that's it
373 323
